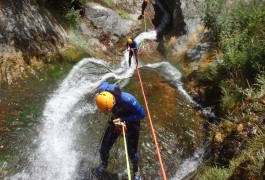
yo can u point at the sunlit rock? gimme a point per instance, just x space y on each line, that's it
107 20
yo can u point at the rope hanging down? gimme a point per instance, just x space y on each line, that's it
146 12
150 120
126 152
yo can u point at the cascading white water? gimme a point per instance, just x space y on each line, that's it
189 165
56 156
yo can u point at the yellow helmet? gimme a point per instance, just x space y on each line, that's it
105 101
129 41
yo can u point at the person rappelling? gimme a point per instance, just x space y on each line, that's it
127 110
144 6
132 47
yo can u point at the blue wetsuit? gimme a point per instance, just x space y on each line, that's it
131 112
133 48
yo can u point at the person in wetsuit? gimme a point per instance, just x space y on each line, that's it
133 48
144 6
125 108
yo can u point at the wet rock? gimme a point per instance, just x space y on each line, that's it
26 34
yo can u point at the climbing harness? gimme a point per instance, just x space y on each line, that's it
119 130
151 123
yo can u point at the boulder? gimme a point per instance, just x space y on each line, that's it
107 20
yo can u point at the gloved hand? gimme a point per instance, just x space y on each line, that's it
117 121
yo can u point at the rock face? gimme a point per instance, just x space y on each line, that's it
177 10
184 15
107 20
26 36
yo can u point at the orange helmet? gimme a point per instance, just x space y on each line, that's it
129 41
105 101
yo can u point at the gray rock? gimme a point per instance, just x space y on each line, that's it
108 20
85 30
196 53
24 23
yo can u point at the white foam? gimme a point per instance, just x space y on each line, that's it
189 165
56 156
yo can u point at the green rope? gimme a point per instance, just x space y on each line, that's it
126 152
118 81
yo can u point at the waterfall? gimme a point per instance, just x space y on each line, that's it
56 156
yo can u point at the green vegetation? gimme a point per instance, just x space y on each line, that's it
238 29
237 76
69 10
73 17
216 173
123 14
108 3
246 166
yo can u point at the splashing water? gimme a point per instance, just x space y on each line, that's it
189 165
56 156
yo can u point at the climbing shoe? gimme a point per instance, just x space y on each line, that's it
137 176
100 170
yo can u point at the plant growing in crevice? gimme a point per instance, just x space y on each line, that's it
73 17
69 10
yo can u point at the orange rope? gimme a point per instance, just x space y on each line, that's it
146 12
150 120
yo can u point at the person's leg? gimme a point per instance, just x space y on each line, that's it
108 140
132 139
136 56
130 57
144 5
